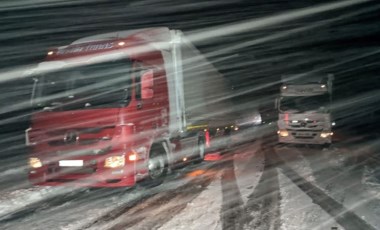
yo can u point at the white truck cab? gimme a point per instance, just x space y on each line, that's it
304 109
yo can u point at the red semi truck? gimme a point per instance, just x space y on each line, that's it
117 108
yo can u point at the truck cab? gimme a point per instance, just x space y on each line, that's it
304 110
98 109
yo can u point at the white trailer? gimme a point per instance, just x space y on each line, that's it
198 92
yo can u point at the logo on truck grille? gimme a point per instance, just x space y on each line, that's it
71 137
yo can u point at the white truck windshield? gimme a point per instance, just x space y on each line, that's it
300 104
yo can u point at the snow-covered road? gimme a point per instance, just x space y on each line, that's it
254 186
339 179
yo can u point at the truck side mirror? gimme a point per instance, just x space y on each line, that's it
147 85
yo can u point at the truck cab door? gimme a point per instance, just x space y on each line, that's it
144 97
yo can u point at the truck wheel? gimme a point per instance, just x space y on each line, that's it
201 151
158 168
157 165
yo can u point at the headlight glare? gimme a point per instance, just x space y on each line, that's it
132 157
326 134
35 162
283 133
114 162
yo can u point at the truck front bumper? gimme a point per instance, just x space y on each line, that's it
118 177
310 137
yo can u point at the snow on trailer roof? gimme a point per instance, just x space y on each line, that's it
152 34
111 42
299 79
304 90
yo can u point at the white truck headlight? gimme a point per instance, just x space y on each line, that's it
114 162
326 134
283 133
35 162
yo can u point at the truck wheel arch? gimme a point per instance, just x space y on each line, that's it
163 147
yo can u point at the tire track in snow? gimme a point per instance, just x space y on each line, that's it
155 208
263 209
155 211
249 166
152 214
41 205
346 218
232 202
343 181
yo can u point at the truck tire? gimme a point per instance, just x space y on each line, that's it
157 166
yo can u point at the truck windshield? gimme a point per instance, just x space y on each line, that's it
103 84
319 103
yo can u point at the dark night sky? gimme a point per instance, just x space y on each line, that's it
344 42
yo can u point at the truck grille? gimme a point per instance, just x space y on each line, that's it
310 137
304 124
71 170
80 142
82 136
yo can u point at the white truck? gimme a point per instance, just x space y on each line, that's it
304 109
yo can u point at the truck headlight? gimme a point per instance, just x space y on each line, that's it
283 133
114 162
34 162
326 134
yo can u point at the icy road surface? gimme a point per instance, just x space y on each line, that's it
254 186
